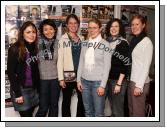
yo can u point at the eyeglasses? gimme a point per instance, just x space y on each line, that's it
94 28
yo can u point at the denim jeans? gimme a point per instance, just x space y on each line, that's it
48 98
117 101
94 104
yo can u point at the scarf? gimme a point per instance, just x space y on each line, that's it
30 47
76 49
114 42
48 49
89 55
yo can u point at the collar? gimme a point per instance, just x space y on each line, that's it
66 36
97 39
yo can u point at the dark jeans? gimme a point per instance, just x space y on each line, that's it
117 101
67 93
48 98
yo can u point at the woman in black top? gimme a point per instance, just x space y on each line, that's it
117 83
22 69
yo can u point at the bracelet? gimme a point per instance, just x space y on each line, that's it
118 85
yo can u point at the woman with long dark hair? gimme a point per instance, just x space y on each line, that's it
22 69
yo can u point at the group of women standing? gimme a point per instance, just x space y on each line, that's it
37 66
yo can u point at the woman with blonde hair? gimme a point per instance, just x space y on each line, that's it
93 70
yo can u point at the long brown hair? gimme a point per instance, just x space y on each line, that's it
21 40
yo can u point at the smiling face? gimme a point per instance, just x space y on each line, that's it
30 34
48 31
72 25
114 29
93 30
137 26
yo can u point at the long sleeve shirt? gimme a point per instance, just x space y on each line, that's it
119 60
16 70
141 61
102 66
65 58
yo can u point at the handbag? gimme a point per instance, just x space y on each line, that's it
69 76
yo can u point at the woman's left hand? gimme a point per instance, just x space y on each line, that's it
79 86
100 91
117 89
137 91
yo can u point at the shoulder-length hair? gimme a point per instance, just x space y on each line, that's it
49 22
74 17
121 27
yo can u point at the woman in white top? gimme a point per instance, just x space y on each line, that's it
141 50
68 60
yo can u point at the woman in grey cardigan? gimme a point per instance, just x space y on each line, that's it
93 70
